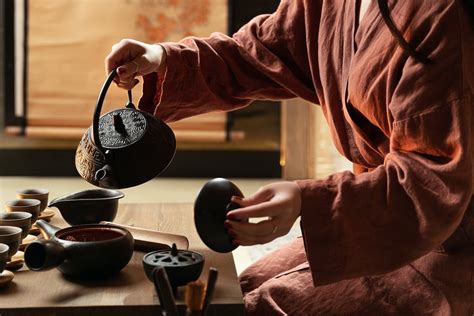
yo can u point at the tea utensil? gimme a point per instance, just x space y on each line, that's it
164 292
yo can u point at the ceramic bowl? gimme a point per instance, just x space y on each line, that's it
36 194
210 210
85 251
89 206
17 219
31 206
11 236
3 256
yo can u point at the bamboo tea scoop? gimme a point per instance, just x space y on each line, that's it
150 240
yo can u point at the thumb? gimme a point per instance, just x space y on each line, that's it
258 197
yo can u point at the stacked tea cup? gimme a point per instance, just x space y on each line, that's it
15 225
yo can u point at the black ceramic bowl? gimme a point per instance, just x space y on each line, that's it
181 266
210 211
89 206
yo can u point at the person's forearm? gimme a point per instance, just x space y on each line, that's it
222 73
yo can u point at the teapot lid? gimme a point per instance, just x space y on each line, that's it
121 128
210 210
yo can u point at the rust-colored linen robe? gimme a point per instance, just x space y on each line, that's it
397 235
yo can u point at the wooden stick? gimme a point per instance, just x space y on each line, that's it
194 297
211 284
165 294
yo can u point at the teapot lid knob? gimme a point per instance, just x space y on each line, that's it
118 124
174 250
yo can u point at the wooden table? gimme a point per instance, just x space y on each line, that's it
130 292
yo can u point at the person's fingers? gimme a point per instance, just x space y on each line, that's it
260 196
262 228
115 57
265 209
128 85
127 71
123 52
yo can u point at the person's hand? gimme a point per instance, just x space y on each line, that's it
279 202
133 58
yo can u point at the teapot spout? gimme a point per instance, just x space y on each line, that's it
106 178
47 230
44 255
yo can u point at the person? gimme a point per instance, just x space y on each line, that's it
395 83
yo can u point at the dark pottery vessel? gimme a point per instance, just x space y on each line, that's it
89 206
18 219
85 251
10 236
36 194
181 266
210 210
3 256
124 147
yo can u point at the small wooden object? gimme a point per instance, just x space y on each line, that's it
149 240
47 214
165 294
16 261
6 277
194 297
28 240
34 230
211 285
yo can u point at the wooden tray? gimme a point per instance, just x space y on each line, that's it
150 240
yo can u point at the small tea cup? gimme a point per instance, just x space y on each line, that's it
37 194
11 236
17 219
25 205
3 256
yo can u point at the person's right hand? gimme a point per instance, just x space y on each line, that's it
133 58
279 202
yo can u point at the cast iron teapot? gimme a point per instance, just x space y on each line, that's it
125 147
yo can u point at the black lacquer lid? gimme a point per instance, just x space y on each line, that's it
210 210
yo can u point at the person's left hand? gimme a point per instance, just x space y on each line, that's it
279 202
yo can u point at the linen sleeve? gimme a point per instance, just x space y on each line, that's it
375 222
266 59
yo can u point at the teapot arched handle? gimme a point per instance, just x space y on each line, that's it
98 109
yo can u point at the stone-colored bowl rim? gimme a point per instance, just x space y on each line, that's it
33 192
10 233
20 203
22 218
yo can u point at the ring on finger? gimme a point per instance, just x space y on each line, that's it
275 228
